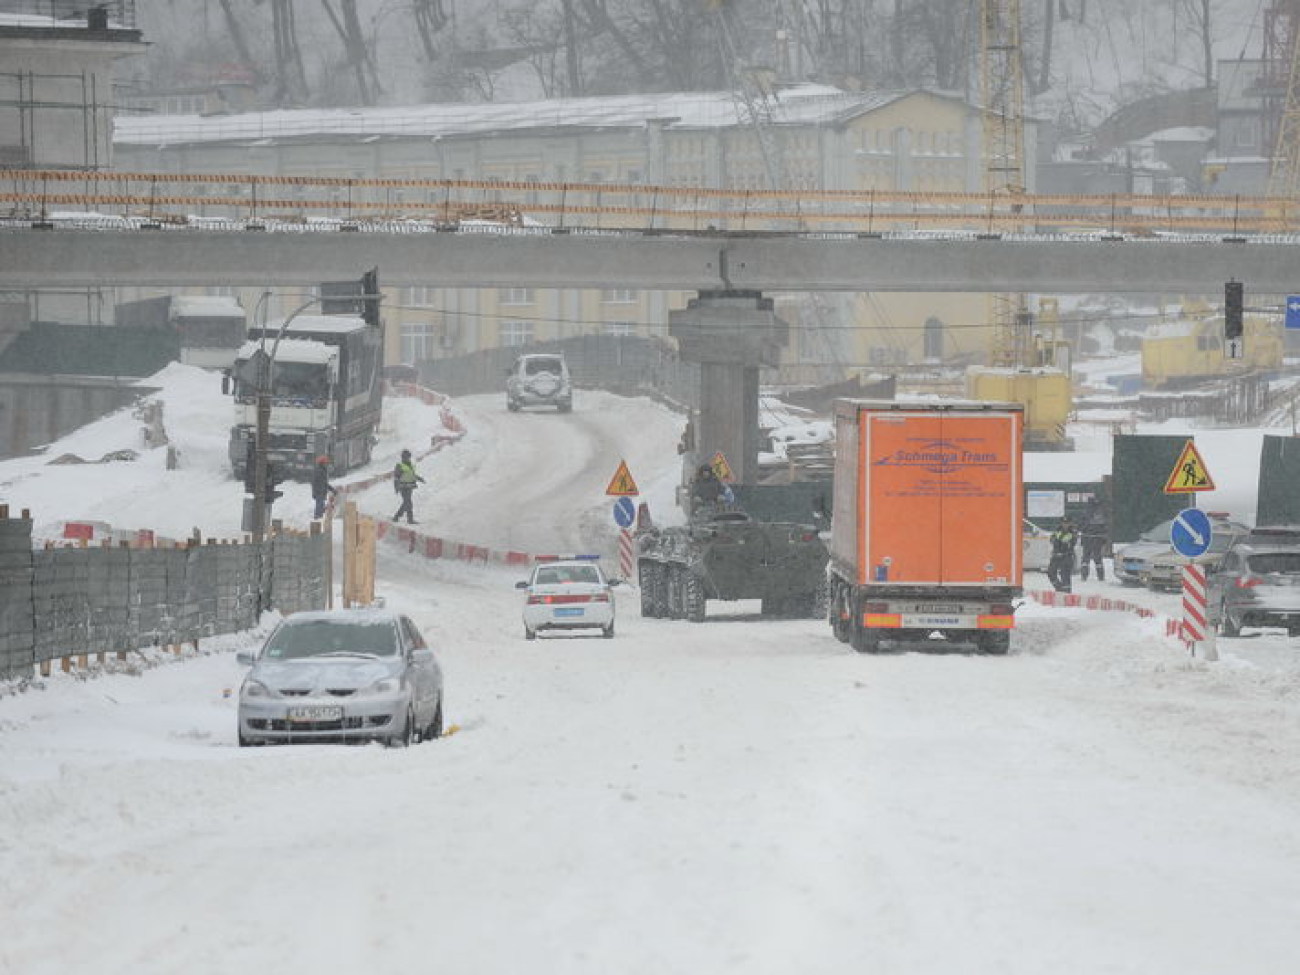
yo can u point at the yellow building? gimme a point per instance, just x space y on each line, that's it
812 138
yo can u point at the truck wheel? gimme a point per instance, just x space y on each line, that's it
840 612
866 640
995 642
646 580
673 591
841 627
661 591
693 603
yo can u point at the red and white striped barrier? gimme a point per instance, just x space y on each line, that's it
1196 630
1050 597
626 553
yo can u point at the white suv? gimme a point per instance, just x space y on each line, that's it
541 379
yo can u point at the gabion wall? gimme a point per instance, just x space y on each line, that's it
63 602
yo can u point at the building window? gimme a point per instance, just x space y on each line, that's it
419 296
515 296
516 333
418 341
620 296
620 328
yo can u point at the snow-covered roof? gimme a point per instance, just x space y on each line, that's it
799 104
1182 133
291 350
320 323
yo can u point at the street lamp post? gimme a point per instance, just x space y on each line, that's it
265 372
369 297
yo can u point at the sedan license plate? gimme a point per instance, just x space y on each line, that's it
316 712
568 611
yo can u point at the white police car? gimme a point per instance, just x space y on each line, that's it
568 594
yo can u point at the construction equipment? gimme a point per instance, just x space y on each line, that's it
1279 83
1186 347
1023 367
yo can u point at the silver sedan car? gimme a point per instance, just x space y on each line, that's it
1256 586
341 675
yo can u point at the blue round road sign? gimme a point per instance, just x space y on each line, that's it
624 512
1191 533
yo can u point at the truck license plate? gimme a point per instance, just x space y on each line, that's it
316 712
940 608
932 621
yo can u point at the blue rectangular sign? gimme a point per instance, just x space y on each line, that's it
1293 311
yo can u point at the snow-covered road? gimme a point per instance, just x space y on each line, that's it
735 796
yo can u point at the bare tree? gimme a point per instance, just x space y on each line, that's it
1203 21
236 30
290 75
357 52
430 18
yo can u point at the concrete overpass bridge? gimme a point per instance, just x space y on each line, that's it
105 254
69 229
730 246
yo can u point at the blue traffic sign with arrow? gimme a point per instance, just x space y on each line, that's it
1293 311
624 512
1191 532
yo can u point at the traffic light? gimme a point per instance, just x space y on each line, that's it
370 297
1232 307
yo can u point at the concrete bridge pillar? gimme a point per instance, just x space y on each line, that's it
730 334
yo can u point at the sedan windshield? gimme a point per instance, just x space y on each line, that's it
559 574
1270 562
320 638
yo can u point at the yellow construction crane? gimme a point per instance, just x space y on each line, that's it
1280 81
1023 367
1002 96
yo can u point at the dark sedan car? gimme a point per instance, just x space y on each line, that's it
341 675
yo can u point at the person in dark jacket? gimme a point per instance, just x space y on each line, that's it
1061 565
321 488
1094 539
706 489
405 479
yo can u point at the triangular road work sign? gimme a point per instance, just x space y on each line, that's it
1189 473
721 467
622 485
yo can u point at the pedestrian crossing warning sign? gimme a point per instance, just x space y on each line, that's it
1189 473
622 485
721 467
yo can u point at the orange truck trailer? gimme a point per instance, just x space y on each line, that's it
926 528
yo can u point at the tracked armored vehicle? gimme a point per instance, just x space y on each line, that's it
725 554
